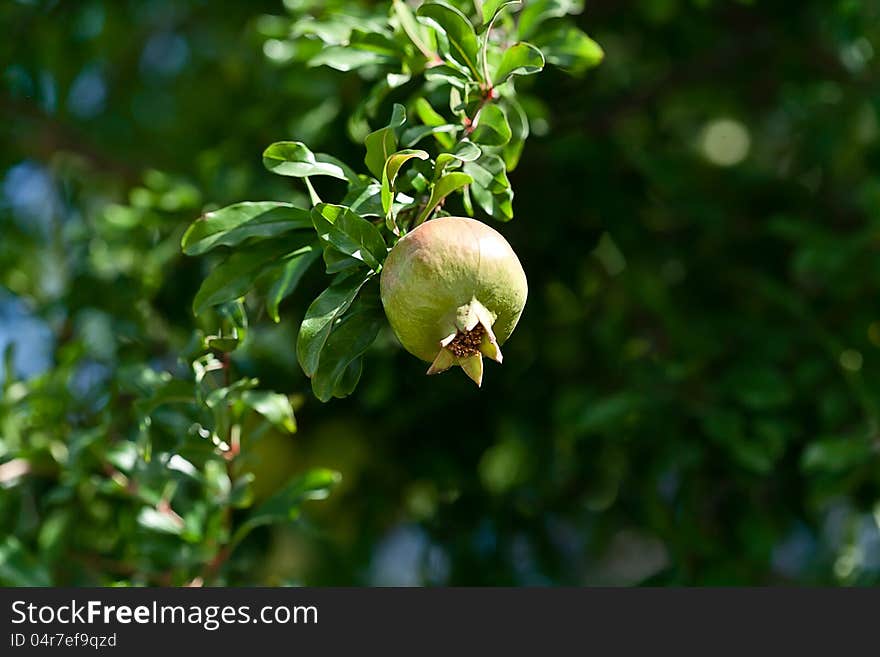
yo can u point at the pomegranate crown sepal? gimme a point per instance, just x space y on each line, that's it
472 339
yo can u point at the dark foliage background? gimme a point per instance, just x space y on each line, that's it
691 396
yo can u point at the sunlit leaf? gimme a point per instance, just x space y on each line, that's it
365 198
389 173
293 158
568 47
431 118
273 406
156 521
362 49
491 8
536 12
382 143
233 224
492 128
519 59
463 45
519 132
441 189
349 233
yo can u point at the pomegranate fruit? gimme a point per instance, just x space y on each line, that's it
453 290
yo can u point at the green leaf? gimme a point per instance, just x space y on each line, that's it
430 117
536 12
273 406
362 49
375 42
412 29
450 75
837 455
350 234
568 47
335 30
123 455
441 189
165 391
233 277
491 8
491 188
365 198
467 202
242 494
322 315
350 338
519 59
220 397
235 223
412 136
389 174
156 521
465 151
284 505
346 58
335 261
495 8
290 271
427 114
463 45
293 158
18 567
492 128
383 142
232 329
350 378
519 128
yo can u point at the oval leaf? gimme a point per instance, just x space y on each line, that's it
389 173
235 223
569 48
233 277
322 314
463 45
293 158
443 188
383 142
430 117
290 271
492 128
349 233
273 406
349 339
519 59
465 151
491 188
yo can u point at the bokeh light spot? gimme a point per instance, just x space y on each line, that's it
279 51
851 360
725 142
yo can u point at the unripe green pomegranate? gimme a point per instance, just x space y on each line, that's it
453 291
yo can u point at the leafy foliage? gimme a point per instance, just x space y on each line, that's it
403 49
690 397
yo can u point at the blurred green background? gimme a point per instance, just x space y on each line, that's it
691 397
